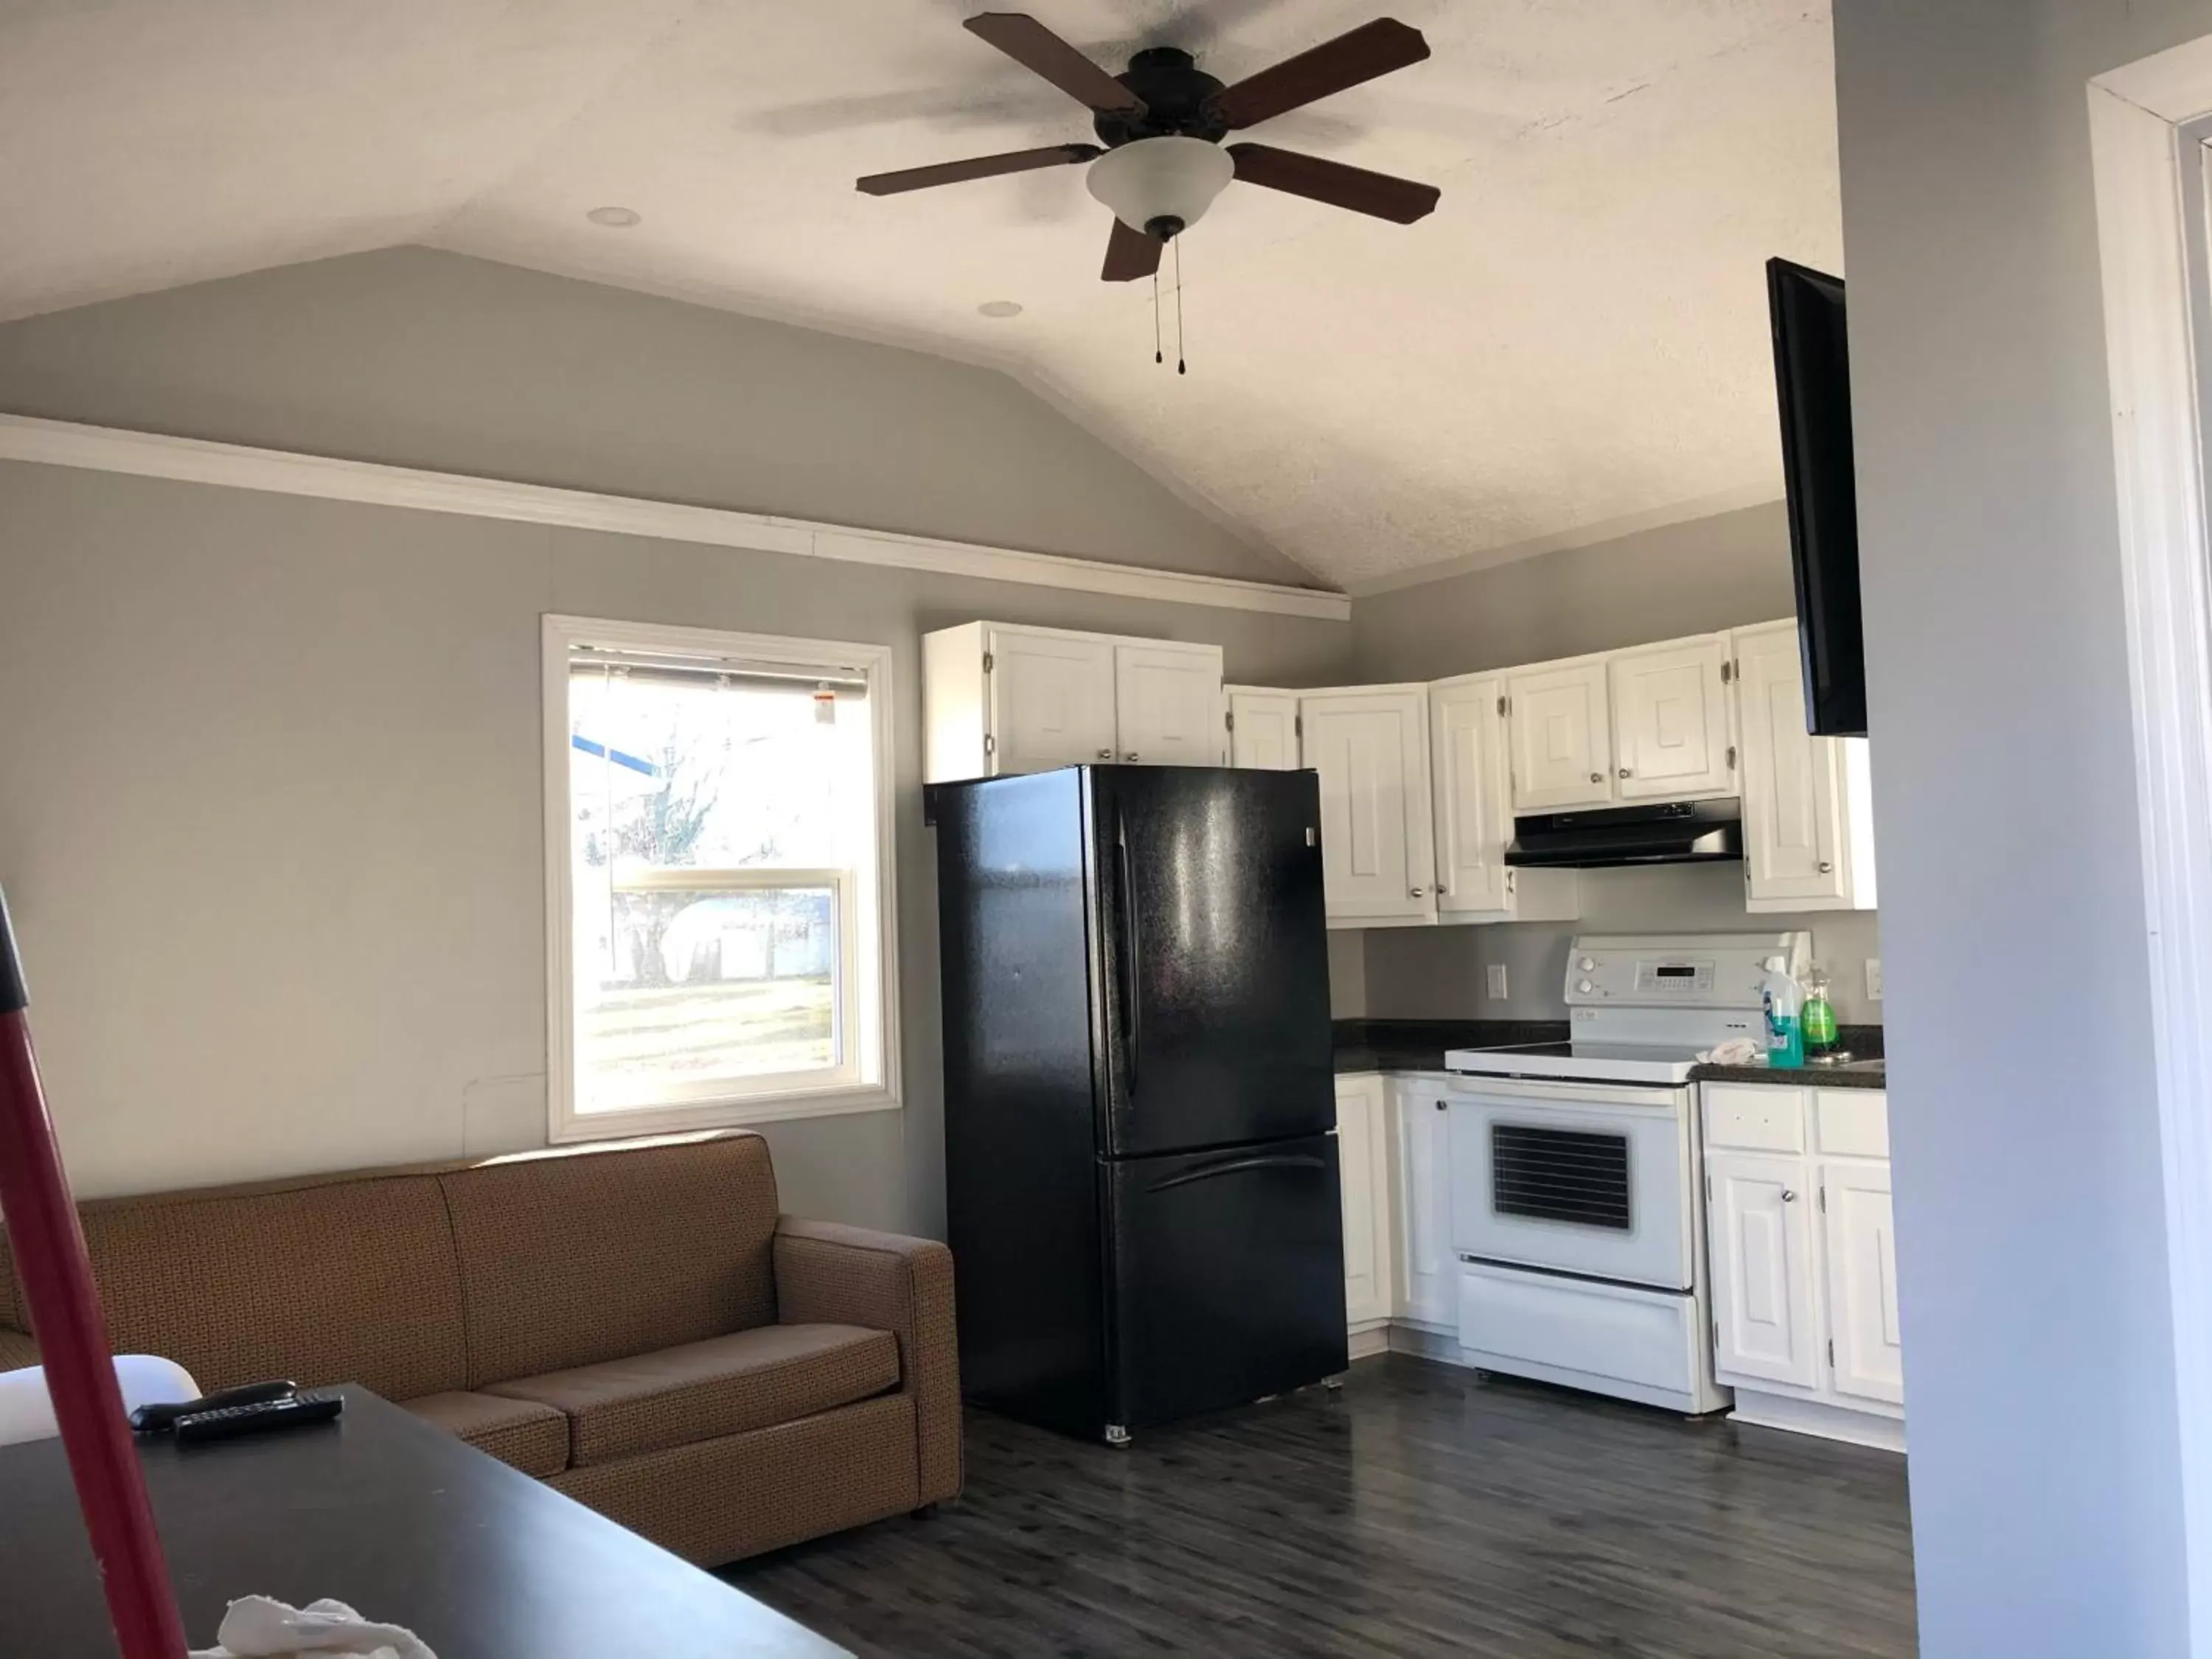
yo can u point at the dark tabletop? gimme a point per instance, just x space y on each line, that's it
397 1518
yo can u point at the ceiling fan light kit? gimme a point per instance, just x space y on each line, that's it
1162 122
1161 186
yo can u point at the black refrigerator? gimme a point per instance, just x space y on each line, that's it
1140 1110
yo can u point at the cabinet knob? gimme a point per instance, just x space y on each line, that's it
1825 866
1599 777
1788 1197
1417 892
1105 754
1131 755
1624 771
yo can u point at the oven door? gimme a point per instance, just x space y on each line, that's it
1580 1178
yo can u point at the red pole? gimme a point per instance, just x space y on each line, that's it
72 1334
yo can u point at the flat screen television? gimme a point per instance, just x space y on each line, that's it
1812 383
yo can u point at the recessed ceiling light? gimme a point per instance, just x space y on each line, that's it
1000 308
614 218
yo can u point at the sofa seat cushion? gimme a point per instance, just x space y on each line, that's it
521 1433
699 1391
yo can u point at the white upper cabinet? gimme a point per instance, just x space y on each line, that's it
1670 722
1263 728
1371 746
1000 699
1562 735
1807 811
1167 702
1472 781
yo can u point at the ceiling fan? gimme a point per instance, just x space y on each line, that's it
1160 161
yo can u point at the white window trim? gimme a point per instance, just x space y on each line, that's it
562 635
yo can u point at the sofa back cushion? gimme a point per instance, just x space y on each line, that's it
350 1279
572 1258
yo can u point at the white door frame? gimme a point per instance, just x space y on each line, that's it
2147 167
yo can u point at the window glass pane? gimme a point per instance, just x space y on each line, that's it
722 833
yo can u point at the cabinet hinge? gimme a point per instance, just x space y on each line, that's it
1727 672
1297 726
989 662
1501 705
1731 758
990 743
1831 1353
1708 1189
1824 1200
1229 721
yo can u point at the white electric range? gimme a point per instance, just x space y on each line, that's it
1577 1177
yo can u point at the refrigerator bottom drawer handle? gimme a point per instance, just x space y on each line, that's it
1238 1166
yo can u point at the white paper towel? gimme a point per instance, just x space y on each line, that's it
258 1628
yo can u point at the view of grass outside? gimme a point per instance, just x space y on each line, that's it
631 1040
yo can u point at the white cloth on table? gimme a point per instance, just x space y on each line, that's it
1737 1051
26 1409
257 1628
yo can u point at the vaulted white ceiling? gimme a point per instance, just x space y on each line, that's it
1577 336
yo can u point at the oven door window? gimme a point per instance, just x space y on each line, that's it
1561 1175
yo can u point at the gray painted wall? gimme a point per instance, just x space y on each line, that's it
1725 571
2030 1232
419 358
272 824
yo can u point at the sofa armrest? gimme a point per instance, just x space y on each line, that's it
17 1350
831 1274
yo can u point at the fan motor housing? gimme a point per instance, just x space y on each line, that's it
1178 101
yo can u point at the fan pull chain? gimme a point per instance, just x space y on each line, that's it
1157 356
1180 367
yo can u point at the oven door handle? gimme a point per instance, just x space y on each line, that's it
1520 1091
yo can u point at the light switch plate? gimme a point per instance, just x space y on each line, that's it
1494 976
1874 979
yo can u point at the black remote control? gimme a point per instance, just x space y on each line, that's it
230 1422
159 1419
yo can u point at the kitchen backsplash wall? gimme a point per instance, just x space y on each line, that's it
1348 974
1439 972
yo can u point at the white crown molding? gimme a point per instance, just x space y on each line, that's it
237 466
1590 535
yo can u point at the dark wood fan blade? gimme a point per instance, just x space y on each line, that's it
1370 50
1130 254
978 167
1399 200
1041 52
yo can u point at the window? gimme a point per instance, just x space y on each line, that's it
719 877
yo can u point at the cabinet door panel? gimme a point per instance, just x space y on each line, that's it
1670 725
1793 828
1562 738
1761 1255
1052 701
1372 750
1168 704
1263 729
1863 1318
1361 1133
1474 818
1429 1290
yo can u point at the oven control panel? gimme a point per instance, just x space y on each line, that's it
1679 970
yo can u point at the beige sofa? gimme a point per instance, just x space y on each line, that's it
632 1323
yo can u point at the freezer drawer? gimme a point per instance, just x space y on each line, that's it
1227 1271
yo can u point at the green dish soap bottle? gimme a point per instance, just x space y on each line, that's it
1818 1021
1784 1002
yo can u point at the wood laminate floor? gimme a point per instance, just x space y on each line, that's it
1421 1511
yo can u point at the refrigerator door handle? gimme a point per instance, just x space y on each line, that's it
1132 1027
1239 1165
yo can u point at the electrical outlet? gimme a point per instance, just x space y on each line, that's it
1874 979
1495 974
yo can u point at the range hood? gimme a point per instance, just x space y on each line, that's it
1661 832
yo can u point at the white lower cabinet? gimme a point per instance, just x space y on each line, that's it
1363 1166
1426 1282
1803 1259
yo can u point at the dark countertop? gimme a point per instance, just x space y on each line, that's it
1418 1045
